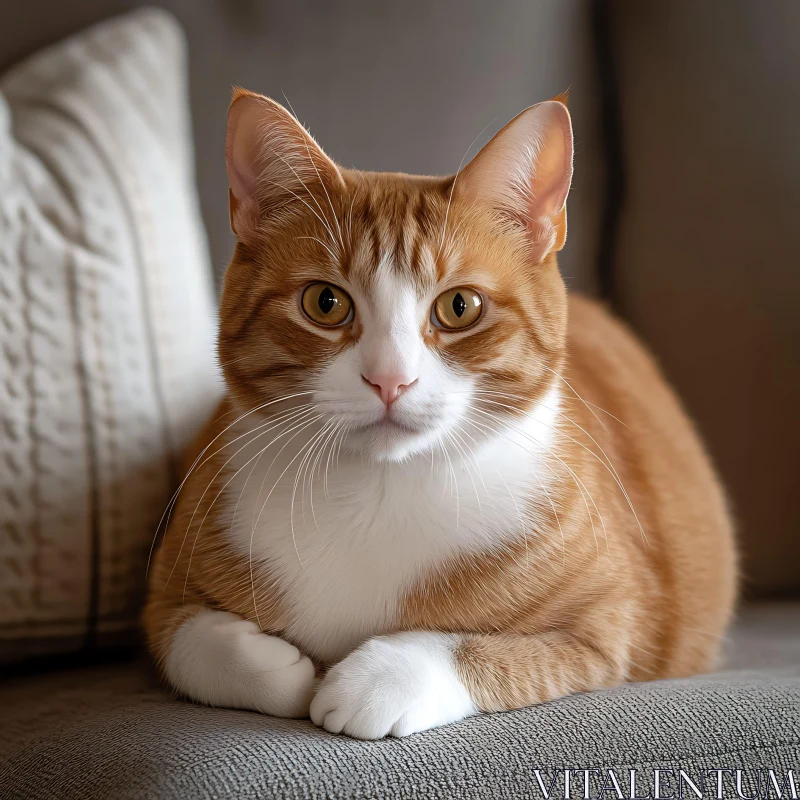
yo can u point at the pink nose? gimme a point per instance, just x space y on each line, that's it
389 387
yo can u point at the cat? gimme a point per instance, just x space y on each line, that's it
438 485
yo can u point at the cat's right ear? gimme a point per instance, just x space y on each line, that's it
271 160
524 173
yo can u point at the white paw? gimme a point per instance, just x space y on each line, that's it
393 686
220 659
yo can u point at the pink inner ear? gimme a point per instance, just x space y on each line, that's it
242 146
552 167
526 170
269 156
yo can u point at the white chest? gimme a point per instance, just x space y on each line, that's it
345 558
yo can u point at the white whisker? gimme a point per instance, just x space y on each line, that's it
607 464
171 504
208 510
255 523
453 187
584 492
324 188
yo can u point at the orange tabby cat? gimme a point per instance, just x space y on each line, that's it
436 480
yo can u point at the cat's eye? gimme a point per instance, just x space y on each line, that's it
457 308
327 304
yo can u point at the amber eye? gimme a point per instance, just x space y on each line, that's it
457 308
326 304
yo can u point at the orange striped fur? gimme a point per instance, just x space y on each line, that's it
612 560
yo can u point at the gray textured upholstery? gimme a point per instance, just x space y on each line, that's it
109 733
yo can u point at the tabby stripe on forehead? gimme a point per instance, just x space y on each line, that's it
416 254
418 214
375 240
426 217
401 228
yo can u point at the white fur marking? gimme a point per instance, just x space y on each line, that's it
382 527
220 659
393 686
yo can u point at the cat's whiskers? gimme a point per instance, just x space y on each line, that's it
522 523
217 496
297 197
579 482
312 468
450 435
347 429
269 424
313 197
234 361
173 500
257 520
277 455
330 444
350 221
303 468
319 241
451 239
483 426
304 451
600 408
607 464
610 464
454 483
570 387
337 431
461 430
453 186
306 410
319 177
584 492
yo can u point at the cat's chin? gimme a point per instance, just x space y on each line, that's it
389 441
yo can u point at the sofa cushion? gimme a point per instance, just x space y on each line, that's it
110 733
106 327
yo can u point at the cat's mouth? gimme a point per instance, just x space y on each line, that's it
393 425
391 437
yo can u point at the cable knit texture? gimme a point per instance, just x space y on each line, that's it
106 327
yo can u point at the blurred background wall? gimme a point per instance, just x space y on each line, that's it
687 181
397 86
708 264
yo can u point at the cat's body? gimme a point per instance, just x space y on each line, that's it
529 514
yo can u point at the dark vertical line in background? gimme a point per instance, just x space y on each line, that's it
611 142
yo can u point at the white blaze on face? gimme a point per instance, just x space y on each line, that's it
391 343
392 315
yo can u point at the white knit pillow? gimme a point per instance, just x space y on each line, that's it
106 327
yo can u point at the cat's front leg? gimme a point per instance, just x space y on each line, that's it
222 659
408 682
393 686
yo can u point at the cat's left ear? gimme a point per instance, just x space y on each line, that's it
271 160
524 173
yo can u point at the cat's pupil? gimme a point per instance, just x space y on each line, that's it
459 305
326 300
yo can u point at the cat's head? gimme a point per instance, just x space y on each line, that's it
411 311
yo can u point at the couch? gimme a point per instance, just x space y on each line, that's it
111 732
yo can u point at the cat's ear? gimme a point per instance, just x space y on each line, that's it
271 159
524 173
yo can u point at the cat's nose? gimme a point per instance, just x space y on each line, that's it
389 387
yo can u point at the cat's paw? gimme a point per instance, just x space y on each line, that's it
220 659
393 686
